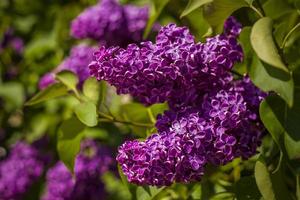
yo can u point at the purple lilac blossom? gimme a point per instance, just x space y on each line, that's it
213 122
77 62
90 164
111 23
218 131
173 68
19 171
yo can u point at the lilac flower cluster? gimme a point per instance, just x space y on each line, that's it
90 164
171 68
212 118
111 23
80 57
19 171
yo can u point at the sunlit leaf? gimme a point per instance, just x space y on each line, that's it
86 112
269 78
263 44
53 91
263 180
68 78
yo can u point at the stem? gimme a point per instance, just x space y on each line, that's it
236 73
261 8
257 11
289 34
109 118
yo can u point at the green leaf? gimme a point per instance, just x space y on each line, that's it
247 49
53 91
269 78
68 78
139 113
86 112
276 8
94 90
281 117
263 44
263 180
246 189
292 147
156 8
219 10
269 109
193 5
147 192
69 137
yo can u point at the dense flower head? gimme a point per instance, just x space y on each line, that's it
216 132
90 164
20 170
111 23
77 62
212 118
168 69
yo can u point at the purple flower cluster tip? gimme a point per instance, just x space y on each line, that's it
111 23
168 69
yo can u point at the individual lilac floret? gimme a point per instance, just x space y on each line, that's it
232 27
77 62
111 23
169 69
90 164
19 171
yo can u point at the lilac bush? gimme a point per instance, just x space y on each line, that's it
80 56
90 164
20 170
111 23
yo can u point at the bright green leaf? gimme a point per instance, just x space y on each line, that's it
86 112
193 5
269 78
156 8
68 143
263 44
68 78
92 89
263 180
53 91
219 10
